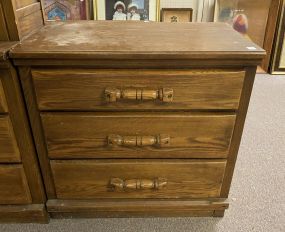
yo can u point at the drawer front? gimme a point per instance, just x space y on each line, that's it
137 179
13 185
9 151
3 103
137 135
137 89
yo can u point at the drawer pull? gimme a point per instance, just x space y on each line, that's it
163 94
156 184
138 141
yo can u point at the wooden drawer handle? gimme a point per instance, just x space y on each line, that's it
138 141
137 184
163 94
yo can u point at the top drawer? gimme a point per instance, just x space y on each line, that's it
3 104
137 89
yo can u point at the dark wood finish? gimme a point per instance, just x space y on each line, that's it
276 67
39 138
4 36
64 41
132 64
9 150
18 117
135 208
5 47
236 139
271 28
92 179
191 135
88 89
14 188
3 103
23 178
33 213
22 18
219 213
65 72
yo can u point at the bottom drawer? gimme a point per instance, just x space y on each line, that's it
13 185
138 179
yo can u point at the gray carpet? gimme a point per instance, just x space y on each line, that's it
258 190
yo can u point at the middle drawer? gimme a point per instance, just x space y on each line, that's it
137 135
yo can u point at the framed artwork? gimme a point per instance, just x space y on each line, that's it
61 10
278 58
254 19
139 10
176 15
202 10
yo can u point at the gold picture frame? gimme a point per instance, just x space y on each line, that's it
99 9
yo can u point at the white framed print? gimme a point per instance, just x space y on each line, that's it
140 10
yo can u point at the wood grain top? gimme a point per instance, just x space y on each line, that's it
4 48
137 40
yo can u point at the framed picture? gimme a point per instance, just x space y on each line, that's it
61 10
139 10
202 10
252 18
278 58
176 15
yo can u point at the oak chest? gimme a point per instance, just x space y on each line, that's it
137 119
22 194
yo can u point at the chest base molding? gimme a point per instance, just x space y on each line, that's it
32 213
117 208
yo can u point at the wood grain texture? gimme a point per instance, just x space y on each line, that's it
3 103
5 47
18 4
84 89
271 29
9 150
134 208
21 128
34 117
161 41
78 62
14 188
133 214
9 13
22 18
4 36
91 179
30 23
32 213
191 136
25 11
245 98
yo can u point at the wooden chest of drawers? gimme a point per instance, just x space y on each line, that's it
130 125
22 195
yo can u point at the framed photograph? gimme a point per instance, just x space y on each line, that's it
139 10
176 15
278 58
61 10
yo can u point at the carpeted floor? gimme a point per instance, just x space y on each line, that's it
258 190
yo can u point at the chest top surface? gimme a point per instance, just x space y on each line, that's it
97 39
